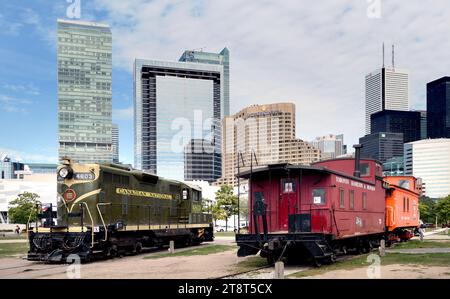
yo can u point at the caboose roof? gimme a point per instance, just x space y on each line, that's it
294 168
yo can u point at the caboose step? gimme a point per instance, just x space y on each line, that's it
319 249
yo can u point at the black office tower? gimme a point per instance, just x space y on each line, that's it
393 121
438 108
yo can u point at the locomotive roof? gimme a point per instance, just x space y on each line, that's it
143 175
286 166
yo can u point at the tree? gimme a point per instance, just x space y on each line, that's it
218 213
226 204
443 210
20 209
427 208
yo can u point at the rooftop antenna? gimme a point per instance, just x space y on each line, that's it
383 54
393 58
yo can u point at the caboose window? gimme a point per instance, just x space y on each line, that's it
403 184
365 169
288 185
352 199
364 201
341 198
318 196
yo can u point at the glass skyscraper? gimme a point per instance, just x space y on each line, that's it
175 103
438 108
222 58
84 91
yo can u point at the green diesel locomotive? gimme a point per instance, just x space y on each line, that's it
106 209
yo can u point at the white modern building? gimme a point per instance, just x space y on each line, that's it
386 89
43 184
115 142
429 159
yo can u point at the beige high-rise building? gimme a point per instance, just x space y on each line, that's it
268 131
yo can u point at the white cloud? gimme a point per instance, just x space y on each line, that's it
30 88
123 114
12 104
313 53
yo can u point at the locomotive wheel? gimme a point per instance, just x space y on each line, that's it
112 251
138 247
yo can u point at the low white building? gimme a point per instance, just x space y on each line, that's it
429 159
43 184
209 193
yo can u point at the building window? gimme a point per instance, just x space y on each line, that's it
352 199
318 196
341 198
364 201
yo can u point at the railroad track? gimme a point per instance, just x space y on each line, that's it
307 267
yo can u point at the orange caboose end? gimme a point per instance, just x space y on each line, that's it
402 207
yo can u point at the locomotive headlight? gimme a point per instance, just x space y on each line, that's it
65 173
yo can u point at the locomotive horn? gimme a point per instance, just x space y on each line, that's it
357 172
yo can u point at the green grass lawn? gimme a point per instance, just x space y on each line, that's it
13 237
411 244
426 259
251 263
201 250
12 249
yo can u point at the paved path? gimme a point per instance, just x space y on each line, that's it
420 250
13 241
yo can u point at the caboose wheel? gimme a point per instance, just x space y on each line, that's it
317 262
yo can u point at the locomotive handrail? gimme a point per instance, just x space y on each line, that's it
92 221
101 217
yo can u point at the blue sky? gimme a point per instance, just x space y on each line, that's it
28 94
312 53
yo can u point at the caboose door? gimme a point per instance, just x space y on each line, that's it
287 202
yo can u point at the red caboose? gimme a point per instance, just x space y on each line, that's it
331 206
